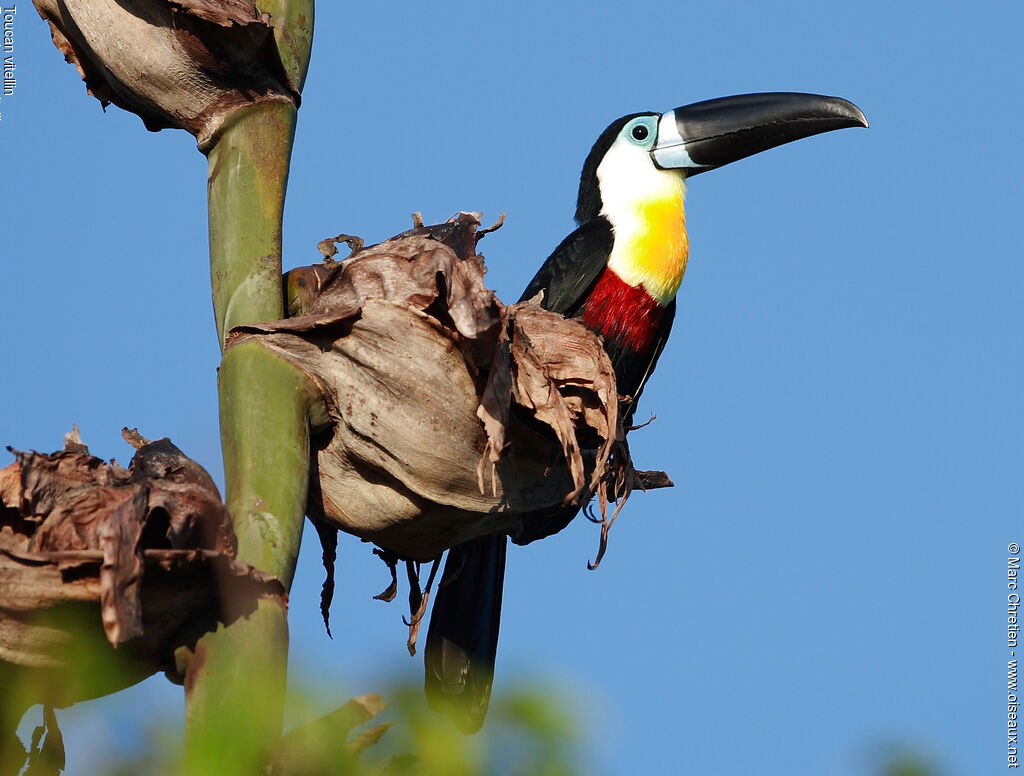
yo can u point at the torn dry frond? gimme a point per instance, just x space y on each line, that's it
186 64
446 415
145 553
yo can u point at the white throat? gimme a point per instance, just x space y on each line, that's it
644 205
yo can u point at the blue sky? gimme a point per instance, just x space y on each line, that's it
839 405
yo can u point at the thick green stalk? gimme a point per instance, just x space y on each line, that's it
248 179
236 679
293 33
264 410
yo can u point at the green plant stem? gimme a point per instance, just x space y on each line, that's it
234 694
264 408
236 679
247 184
293 32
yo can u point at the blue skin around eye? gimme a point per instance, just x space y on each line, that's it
652 130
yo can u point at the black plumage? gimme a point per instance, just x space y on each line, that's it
462 639
573 268
567 279
463 634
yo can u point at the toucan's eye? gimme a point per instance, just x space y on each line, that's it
640 133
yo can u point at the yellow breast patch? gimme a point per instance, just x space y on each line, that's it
652 247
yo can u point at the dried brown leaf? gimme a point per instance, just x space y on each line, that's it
314 747
175 63
652 480
10 486
121 572
366 739
92 554
391 561
495 406
328 536
134 438
418 600
223 12
448 414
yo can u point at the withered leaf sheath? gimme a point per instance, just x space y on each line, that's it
446 414
94 556
185 64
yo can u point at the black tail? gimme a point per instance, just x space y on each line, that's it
463 636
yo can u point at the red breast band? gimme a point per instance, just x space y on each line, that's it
621 313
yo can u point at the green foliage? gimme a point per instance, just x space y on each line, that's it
909 765
528 733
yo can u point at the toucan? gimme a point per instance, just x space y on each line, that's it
618 273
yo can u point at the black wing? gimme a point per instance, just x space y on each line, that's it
572 268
